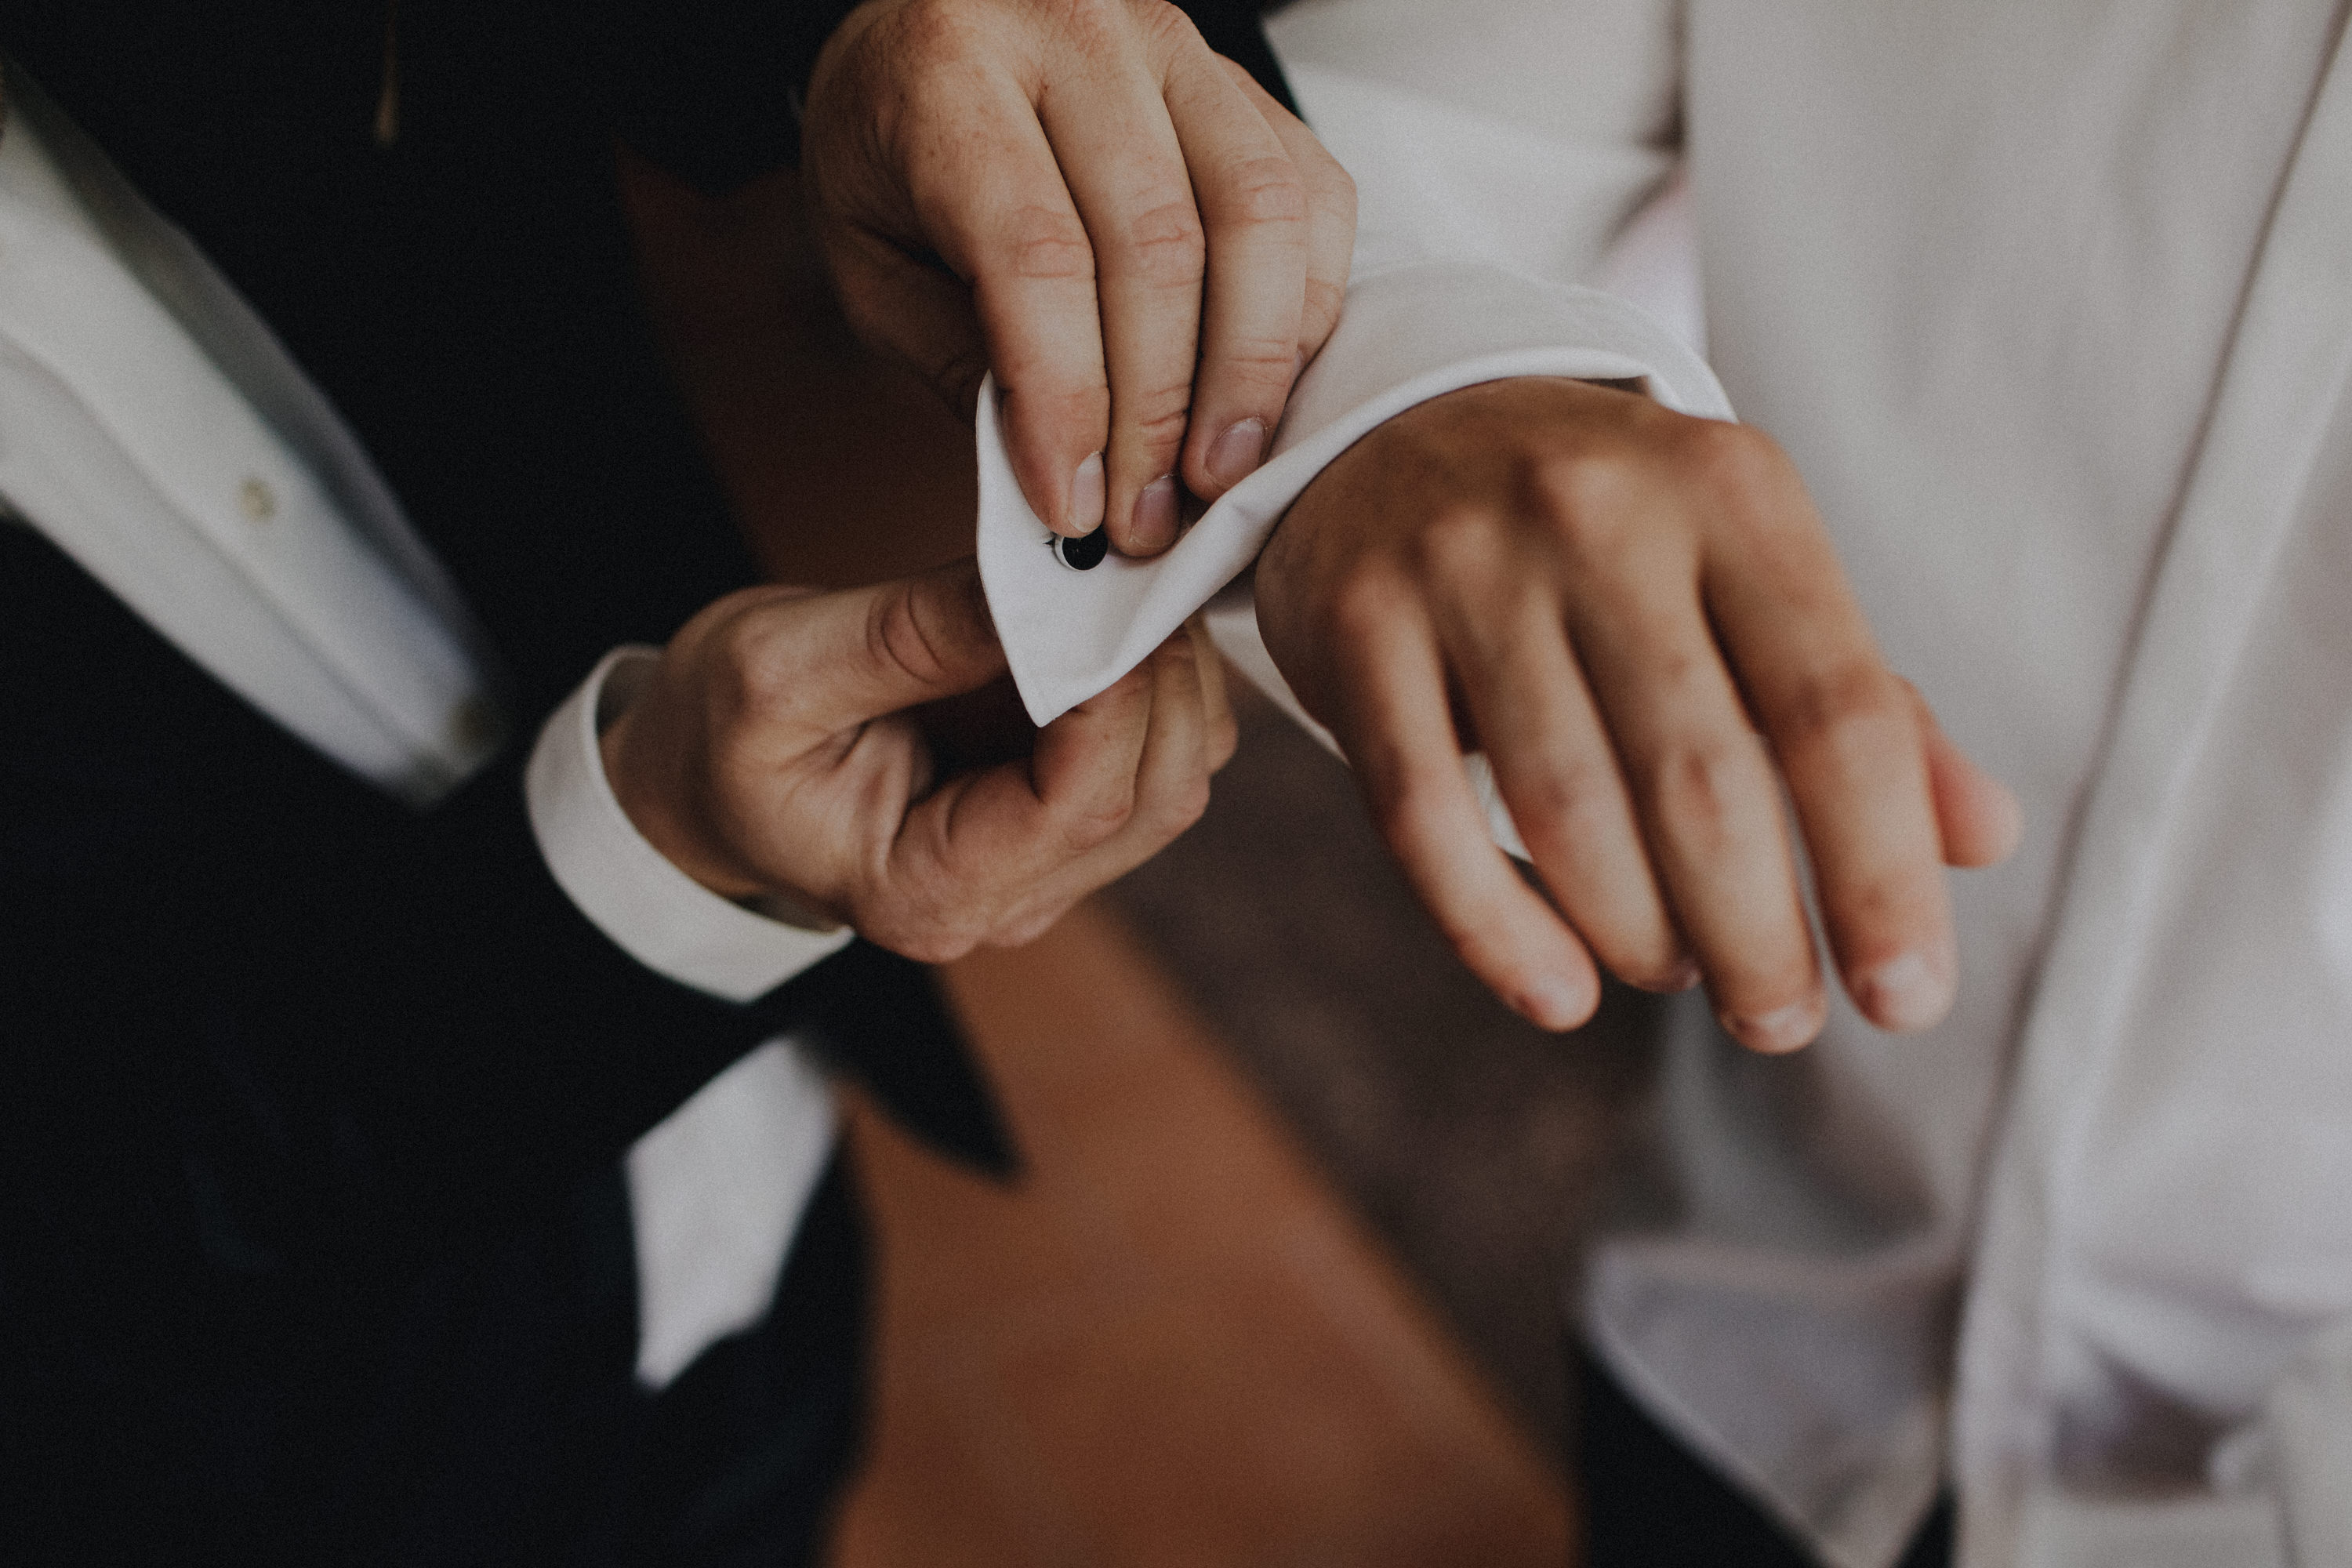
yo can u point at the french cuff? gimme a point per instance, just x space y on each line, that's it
653 911
1407 336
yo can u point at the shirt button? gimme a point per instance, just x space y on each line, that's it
257 501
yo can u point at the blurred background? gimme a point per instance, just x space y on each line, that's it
1281 1279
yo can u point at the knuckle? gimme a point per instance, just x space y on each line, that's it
1591 495
1093 823
897 640
1857 706
1165 246
1571 803
1696 784
1162 22
1363 603
1158 423
1737 461
933 29
751 671
1464 541
1048 245
1262 365
1262 190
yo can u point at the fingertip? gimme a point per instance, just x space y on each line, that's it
1559 1001
2004 824
1229 458
1150 526
1911 992
1983 820
1683 974
1780 1030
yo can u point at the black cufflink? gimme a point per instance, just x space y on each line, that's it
1083 554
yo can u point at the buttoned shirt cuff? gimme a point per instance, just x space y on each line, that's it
652 910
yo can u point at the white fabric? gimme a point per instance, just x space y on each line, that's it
2049 303
123 440
716 1194
154 429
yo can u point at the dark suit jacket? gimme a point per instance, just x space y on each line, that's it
282 1064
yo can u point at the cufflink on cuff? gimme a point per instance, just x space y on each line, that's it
1082 554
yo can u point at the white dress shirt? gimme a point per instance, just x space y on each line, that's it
154 429
2050 302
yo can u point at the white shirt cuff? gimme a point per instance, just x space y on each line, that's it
1407 336
654 912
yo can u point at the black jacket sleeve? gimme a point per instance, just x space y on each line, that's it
244 996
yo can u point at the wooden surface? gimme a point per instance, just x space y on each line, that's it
1172 1343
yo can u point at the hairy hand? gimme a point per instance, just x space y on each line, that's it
1143 245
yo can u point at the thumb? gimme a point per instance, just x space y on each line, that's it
900 644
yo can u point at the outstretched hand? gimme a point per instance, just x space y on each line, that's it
1080 194
772 754
1638 616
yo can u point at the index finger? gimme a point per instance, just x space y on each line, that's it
994 206
1400 738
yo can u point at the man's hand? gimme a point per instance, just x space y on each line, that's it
772 755
1611 600
1080 194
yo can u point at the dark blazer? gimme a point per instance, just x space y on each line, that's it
289 1075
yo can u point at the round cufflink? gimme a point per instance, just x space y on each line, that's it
1083 554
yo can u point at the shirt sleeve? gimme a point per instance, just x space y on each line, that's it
652 910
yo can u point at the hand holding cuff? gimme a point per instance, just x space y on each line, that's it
654 911
1408 336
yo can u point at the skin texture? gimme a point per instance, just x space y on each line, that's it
1080 194
772 754
1639 617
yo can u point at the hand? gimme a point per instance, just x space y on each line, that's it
772 754
1610 600
1143 245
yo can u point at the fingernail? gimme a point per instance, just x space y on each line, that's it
1783 1029
1906 994
1236 454
1555 1003
1685 975
1087 493
1155 516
